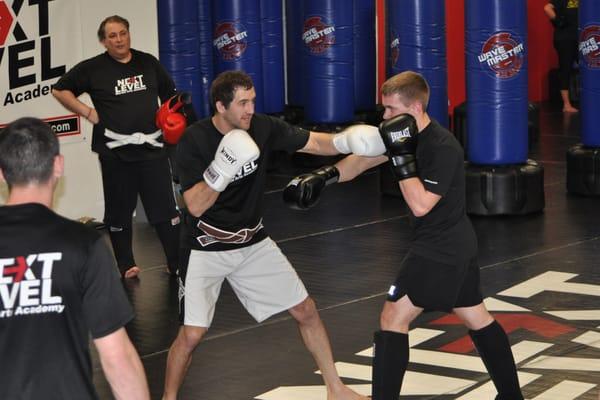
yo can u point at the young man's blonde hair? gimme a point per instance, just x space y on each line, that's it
409 86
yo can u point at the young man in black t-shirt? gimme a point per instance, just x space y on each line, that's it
223 167
125 85
58 285
564 15
440 271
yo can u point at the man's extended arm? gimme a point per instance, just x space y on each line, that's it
352 166
320 143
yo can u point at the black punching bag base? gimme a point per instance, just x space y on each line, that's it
515 189
583 170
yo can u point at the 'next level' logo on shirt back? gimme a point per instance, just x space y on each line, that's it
26 285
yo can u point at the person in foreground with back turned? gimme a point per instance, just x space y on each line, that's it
222 162
58 284
440 271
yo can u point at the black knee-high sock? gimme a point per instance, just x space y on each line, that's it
168 234
390 360
493 347
121 239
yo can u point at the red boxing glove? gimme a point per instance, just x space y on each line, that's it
169 117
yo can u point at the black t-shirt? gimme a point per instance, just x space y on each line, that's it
567 12
445 234
58 284
125 96
239 206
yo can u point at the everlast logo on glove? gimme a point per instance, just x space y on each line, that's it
400 136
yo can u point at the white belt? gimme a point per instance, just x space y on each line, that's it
135 138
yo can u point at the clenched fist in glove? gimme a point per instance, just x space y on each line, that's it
304 191
400 137
361 139
234 151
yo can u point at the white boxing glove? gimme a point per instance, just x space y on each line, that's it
362 140
235 150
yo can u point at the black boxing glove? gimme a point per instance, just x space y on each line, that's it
399 134
304 191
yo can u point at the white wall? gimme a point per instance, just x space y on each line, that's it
80 191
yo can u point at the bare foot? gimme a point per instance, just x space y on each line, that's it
345 393
132 272
570 109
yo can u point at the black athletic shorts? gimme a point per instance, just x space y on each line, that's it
123 181
435 286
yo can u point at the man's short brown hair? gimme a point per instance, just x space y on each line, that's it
28 147
112 18
409 86
225 84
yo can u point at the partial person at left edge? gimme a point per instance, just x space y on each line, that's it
125 86
58 285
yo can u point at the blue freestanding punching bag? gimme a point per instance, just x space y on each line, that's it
500 179
294 18
365 74
178 46
237 40
589 70
205 53
583 159
272 54
417 42
496 72
328 61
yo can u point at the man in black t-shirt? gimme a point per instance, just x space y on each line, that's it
440 271
125 85
564 16
58 285
223 168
